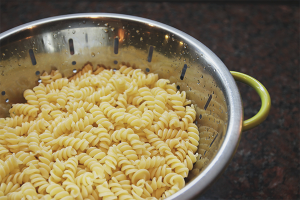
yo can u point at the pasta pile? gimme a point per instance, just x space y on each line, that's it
107 134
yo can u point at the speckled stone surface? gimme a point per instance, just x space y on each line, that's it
261 40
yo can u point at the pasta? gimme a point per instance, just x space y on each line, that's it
104 134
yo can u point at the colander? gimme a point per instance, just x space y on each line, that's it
68 42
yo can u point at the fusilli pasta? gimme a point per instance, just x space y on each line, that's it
107 134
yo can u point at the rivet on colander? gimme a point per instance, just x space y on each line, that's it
150 54
32 57
208 101
116 46
71 45
183 71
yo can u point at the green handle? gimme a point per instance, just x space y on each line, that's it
265 100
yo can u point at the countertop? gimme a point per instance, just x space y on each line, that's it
259 39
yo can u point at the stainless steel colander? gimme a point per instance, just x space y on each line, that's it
68 42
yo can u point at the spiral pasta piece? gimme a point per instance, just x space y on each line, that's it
58 192
11 163
105 192
64 153
76 143
92 164
100 118
129 135
113 113
155 161
25 109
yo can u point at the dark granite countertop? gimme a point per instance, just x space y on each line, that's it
261 40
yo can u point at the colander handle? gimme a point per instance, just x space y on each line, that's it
265 100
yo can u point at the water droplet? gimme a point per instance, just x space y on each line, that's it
83 22
173 39
98 24
93 54
137 31
7 100
3 54
73 31
201 76
33 42
141 38
40 80
123 40
105 30
112 29
74 71
54 35
214 70
22 51
19 64
198 82
190 89
106 24
201 55
70 26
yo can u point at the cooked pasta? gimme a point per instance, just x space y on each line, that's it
107 134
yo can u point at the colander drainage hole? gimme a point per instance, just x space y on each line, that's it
208 101
86 38
37 73
147 70
3 93
71 45
116 46
213 140
150 54
183 71
73 62
115 62
32 57
178 87
200 116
